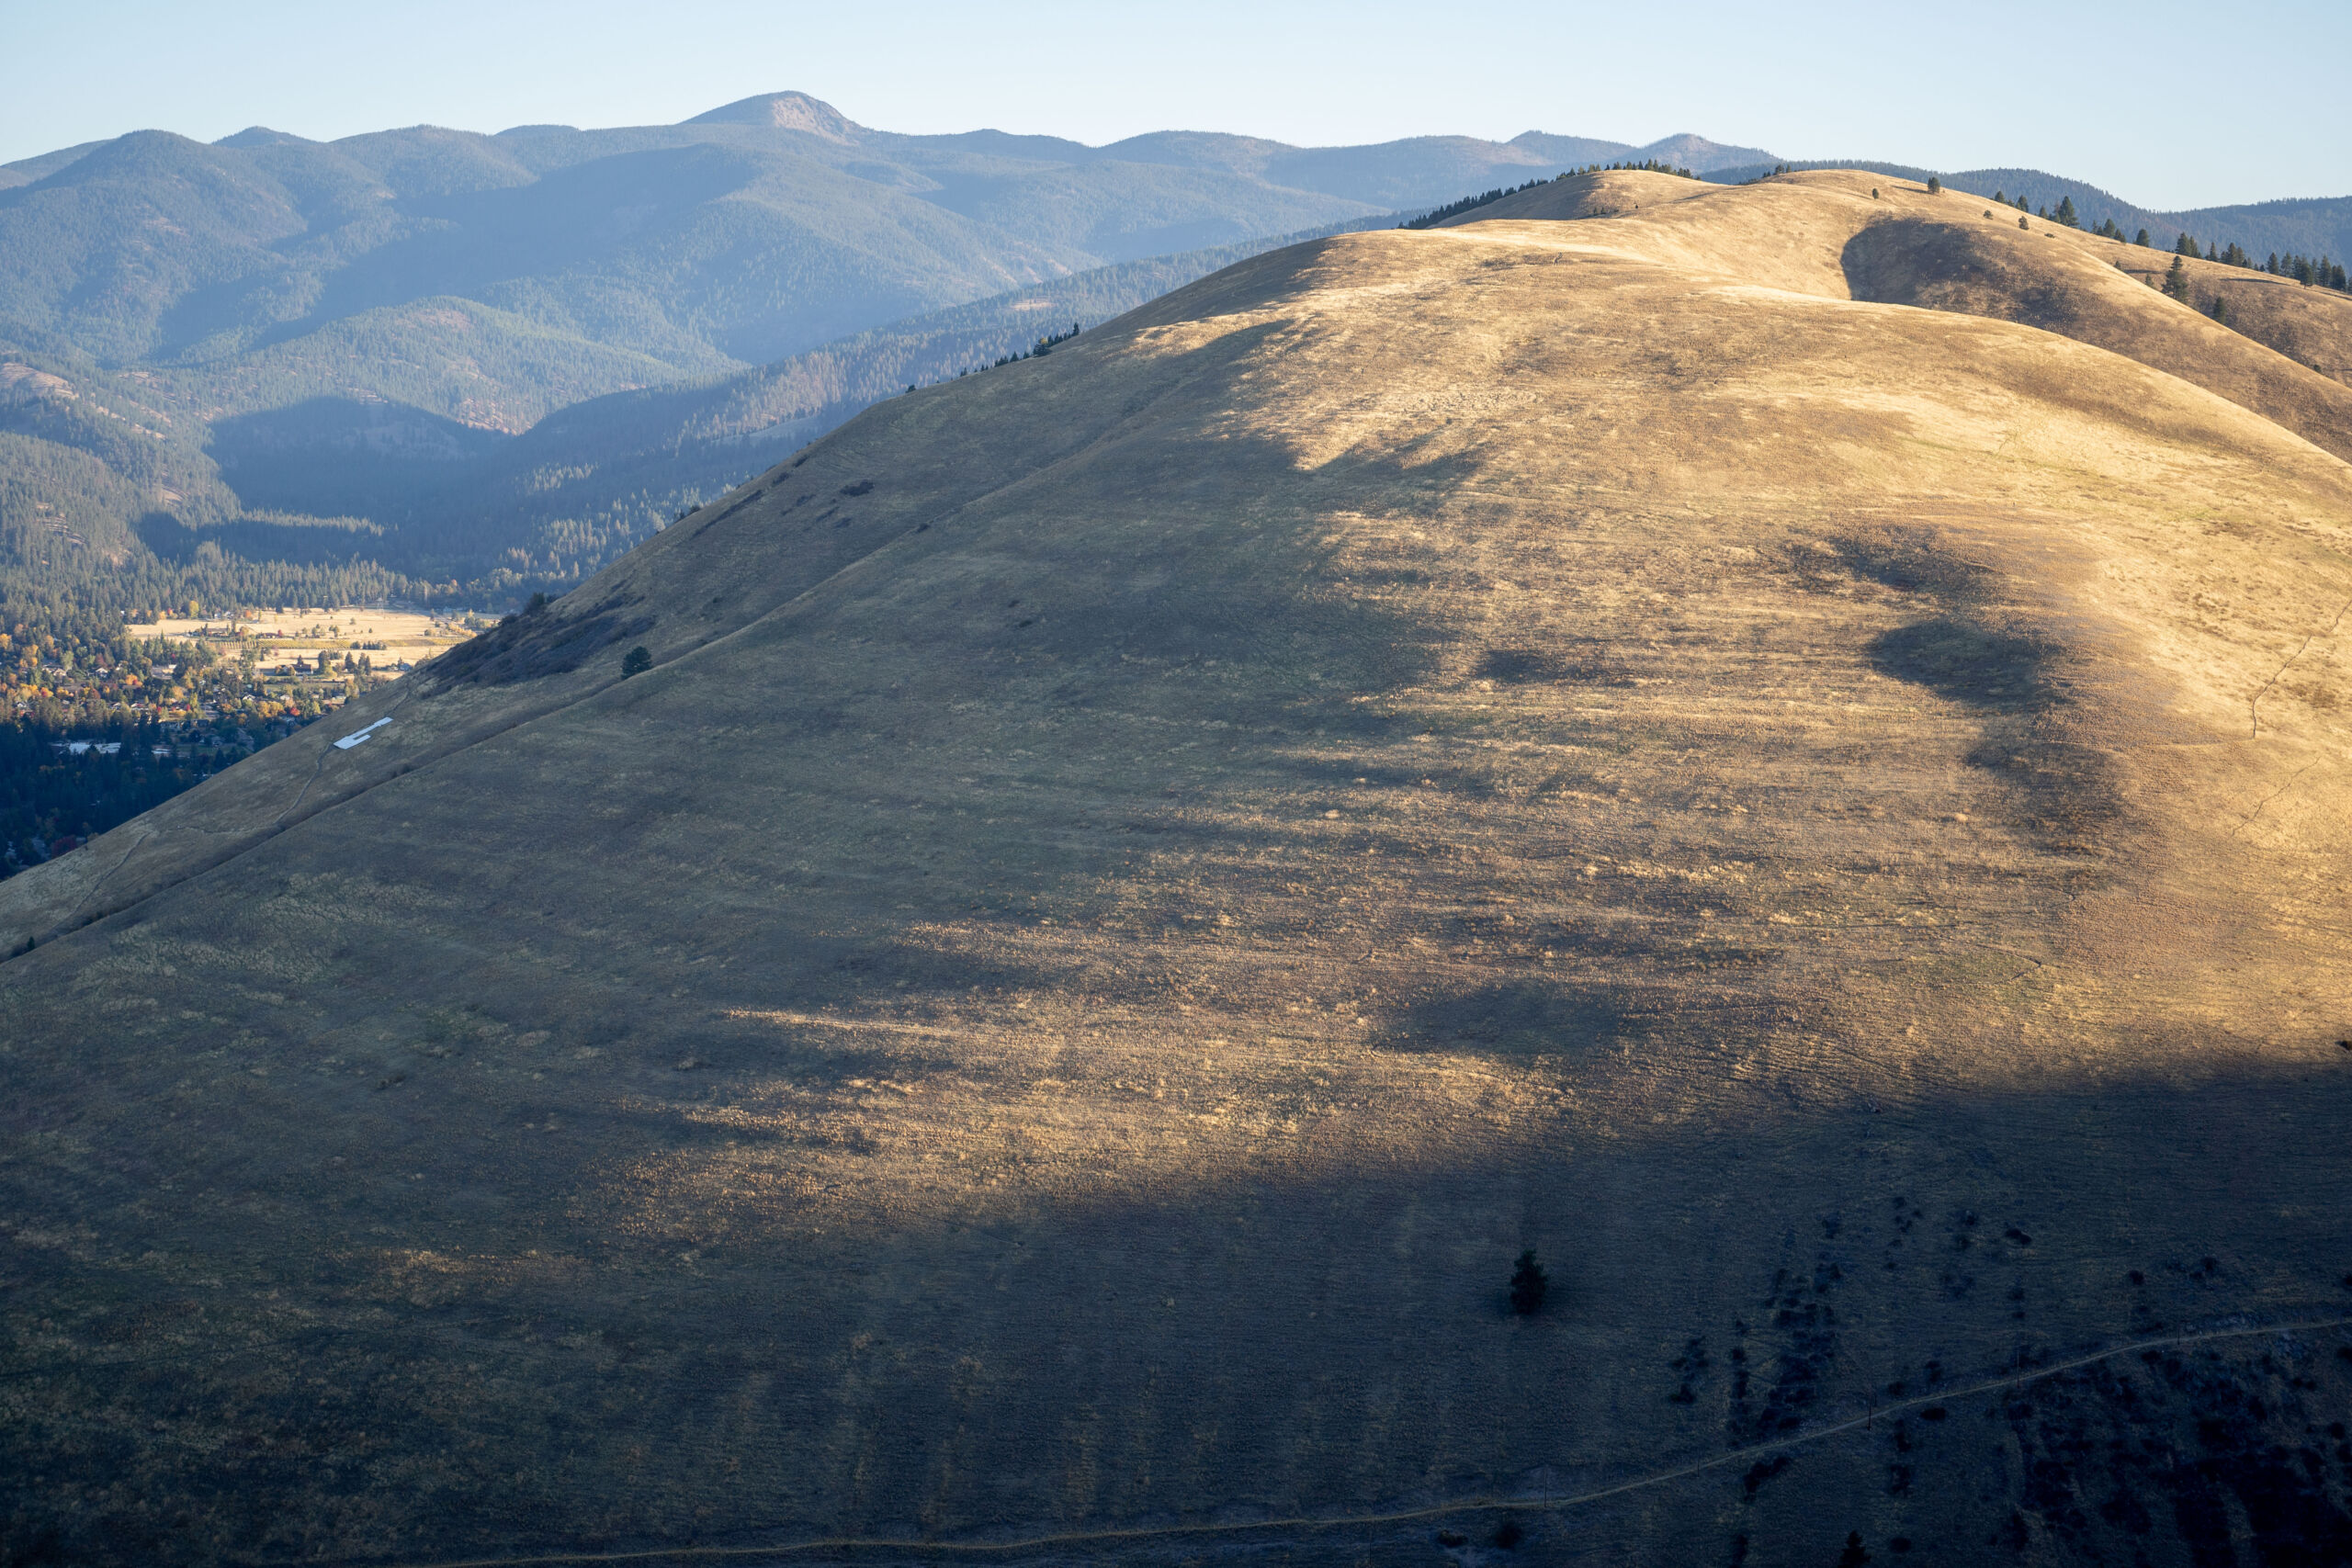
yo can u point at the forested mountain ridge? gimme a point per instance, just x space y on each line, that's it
588 482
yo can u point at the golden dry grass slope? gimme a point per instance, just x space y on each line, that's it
1139 881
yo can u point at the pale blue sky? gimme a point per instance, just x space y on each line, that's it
2169 105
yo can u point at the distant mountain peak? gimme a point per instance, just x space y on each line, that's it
1701 155
784 111
262 136
1683 149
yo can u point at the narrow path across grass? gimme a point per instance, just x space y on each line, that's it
1066 1539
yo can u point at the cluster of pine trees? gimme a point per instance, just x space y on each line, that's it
1042 347
52 797
81 582
2319 272
2065 217
1038 349
1647 166
1437 215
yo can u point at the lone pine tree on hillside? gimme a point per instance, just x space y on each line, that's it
635 662
2177 281
1528 1283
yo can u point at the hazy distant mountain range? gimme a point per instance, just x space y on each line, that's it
440 351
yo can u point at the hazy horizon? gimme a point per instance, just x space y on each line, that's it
2172 112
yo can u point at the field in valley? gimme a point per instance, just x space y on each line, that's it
390 638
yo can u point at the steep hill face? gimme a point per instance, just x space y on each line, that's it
1706 742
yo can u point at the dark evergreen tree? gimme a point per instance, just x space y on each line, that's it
2066 214
1528 1283
2143 239
635 662
2177 281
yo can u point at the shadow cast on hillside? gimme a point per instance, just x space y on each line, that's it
2021 669
1762 1276
312 542
332 456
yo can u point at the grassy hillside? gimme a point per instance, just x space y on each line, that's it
1774 747
2313 227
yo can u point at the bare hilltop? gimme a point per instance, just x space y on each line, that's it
1781 746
